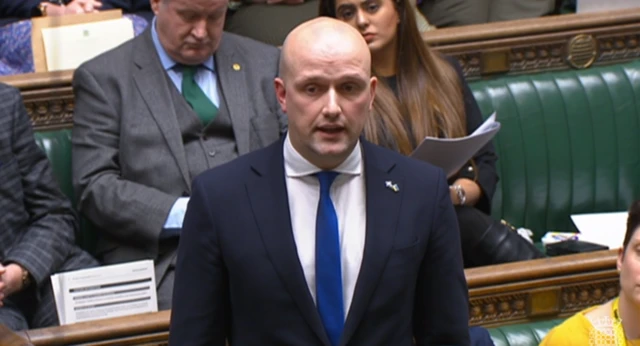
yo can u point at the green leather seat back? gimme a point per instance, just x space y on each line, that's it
526 334
57 146
569 144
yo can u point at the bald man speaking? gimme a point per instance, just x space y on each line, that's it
323 238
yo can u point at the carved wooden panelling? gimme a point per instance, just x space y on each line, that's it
579 297
537 302
47 114
498 308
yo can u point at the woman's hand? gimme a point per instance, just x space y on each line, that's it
74 7
471 190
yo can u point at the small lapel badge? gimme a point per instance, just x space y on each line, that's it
391 185
236 67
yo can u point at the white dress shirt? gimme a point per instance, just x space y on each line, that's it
348 196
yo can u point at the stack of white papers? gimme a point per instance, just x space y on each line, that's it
66 47
584 6
606 229
104 292
451 154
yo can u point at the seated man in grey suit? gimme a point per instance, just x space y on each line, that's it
156 111
37 224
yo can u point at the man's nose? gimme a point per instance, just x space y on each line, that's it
199 29
332 107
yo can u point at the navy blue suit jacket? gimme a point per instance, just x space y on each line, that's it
238 275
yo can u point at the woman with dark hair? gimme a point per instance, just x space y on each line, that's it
421 93
616 322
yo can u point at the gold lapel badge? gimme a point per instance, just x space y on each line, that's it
391 185
236 67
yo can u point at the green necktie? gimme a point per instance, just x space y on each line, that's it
195 97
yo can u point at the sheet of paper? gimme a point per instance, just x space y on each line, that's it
451 154
602 228
66 47
105 292
584 6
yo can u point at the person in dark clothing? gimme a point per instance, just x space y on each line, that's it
422 93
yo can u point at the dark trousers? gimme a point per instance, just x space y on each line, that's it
486 241
24 310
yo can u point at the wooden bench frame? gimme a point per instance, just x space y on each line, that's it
553 43
500 294
486 50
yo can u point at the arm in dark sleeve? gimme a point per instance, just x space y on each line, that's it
441 311
483 169
200 294
17 8
50 234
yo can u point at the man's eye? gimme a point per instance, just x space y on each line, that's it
350 88
189 17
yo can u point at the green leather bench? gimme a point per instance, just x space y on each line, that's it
57 146
569 144
522 334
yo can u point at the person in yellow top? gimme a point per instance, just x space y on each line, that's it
616 322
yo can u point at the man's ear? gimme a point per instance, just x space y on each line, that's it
155 5
281 93
373 84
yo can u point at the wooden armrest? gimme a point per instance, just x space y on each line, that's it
545 288
530 26
541 268
11 338
107 329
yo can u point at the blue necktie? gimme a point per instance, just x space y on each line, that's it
328 270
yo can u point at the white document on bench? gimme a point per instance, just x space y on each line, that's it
66 47
105 292
451 154
606 229
584 6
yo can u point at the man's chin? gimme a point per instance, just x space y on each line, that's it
335 150
196 56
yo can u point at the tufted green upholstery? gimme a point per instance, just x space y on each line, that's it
529 334
569 144
57 146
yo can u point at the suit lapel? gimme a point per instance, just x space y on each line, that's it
383 210
269 202
152 84
231 71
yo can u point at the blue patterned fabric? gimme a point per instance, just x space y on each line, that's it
16 55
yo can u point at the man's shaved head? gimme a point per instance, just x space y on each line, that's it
322 36
326 89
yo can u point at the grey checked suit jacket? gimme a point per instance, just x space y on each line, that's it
129 162
37 223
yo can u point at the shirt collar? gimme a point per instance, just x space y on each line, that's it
297 166
166 61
